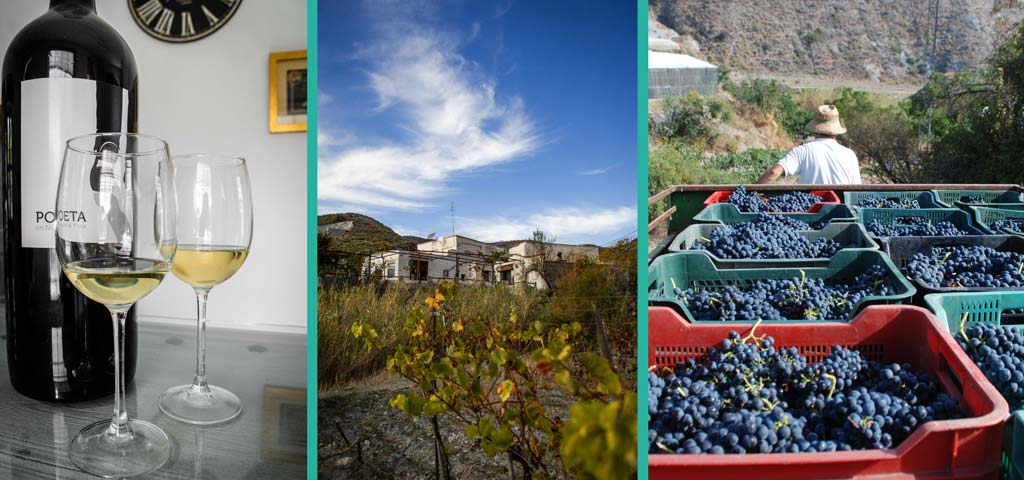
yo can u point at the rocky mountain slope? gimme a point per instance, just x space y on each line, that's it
357 233
880 40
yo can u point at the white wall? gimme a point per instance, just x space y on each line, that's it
211 96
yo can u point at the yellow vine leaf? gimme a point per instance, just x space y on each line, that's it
505 389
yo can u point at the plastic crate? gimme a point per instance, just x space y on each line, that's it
966 448
985 307
986 216
727 214
925 199
695 269
852 234
952 198
901 249
959 218
828 197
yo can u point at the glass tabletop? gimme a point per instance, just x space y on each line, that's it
268 440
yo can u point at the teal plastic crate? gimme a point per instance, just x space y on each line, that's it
727 214
987 307
957 217
852 234
925 198
993 198
986 216
695 269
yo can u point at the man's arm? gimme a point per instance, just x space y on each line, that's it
771 174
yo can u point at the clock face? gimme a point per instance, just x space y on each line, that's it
182 20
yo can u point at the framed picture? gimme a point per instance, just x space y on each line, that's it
284 425
288 91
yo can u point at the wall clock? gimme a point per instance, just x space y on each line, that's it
182 21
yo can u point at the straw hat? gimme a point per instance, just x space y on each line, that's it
826 121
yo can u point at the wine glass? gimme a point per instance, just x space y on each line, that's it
116 222
215 230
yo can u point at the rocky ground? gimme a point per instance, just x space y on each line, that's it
381 442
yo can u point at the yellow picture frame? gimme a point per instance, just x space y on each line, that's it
287 112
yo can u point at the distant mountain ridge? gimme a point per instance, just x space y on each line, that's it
358 233
882 40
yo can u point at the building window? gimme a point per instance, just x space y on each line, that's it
391 269
487 275
462 277
559 254
445 272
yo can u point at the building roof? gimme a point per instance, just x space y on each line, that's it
674 60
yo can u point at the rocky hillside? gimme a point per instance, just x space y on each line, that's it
881 40
354 232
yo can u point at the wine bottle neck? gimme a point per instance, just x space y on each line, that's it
90 4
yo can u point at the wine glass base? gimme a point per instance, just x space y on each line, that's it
200 408
98 452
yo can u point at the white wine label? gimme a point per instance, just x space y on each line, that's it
54 110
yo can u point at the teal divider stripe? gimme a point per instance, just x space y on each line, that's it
311 268
641 234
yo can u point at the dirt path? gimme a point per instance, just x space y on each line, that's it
392 445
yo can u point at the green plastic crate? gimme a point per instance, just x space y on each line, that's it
727 214
986 216
845 233
925 198
993 198
957 217
695 269
987 307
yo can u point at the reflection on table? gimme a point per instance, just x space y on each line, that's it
267 441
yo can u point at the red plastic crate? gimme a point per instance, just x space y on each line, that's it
827 197
967 448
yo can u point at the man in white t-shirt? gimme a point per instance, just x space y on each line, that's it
822 160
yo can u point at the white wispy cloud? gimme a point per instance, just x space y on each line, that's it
565 224
597 171
454 121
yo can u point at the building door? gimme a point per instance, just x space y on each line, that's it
418 269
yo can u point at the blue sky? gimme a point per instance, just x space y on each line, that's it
522 113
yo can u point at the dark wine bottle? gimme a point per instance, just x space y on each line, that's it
67 73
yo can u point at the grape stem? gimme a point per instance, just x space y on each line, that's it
963 321
751 334
834 381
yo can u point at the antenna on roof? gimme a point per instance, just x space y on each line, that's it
453 218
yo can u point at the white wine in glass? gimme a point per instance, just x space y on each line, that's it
116 238
214 231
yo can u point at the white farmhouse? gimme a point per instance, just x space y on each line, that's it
463 259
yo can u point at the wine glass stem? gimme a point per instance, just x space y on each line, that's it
119 425
199 383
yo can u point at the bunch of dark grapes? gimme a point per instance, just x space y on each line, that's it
747 396
1015 225
790 299
887 202
767 236
914 227
999 353
753 202
966 267
973 199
